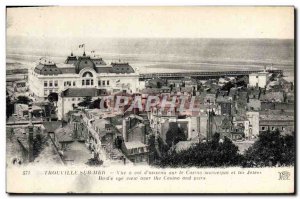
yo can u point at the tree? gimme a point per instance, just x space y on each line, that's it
9 107
174 134
96 103
23 100
94 162
118 142
271 149
156 148
227 86
158 84
86 102
210 154
53 97
171 87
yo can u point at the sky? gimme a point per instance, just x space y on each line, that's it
166 22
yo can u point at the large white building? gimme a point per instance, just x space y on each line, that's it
81 72
83 75
259 79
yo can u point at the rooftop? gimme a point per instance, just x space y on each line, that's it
83 92
276 117
134 144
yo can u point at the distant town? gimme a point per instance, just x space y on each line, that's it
87 111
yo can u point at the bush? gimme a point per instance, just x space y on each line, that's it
94 162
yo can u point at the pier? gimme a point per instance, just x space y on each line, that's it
203 75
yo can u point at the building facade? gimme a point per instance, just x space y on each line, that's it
81 72
258 79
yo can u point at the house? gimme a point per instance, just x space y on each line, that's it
135 129
155 83
189 83
290 97
241 126
272 122
222 125
20 86
254 105
225 102
259 79
254 93
21 110
71 97
64 136
272 97
187 90
165 89
209 99
175 83
253 118
137 152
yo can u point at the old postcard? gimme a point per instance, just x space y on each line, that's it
150 100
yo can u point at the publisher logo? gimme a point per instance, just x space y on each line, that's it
284 175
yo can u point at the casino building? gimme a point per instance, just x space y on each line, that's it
81 72
78 77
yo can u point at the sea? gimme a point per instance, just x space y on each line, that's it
150 55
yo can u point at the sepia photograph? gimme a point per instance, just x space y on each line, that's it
157 99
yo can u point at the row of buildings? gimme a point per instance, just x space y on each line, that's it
236 107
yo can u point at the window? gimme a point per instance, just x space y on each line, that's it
50 83
273 128
45 92
263 128
92 82
82 82
73 99
87 74
103 83
107 82
74 83
87 82
45 83
78 99
55 83
99 83
65 83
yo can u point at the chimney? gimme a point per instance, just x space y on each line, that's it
124 132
